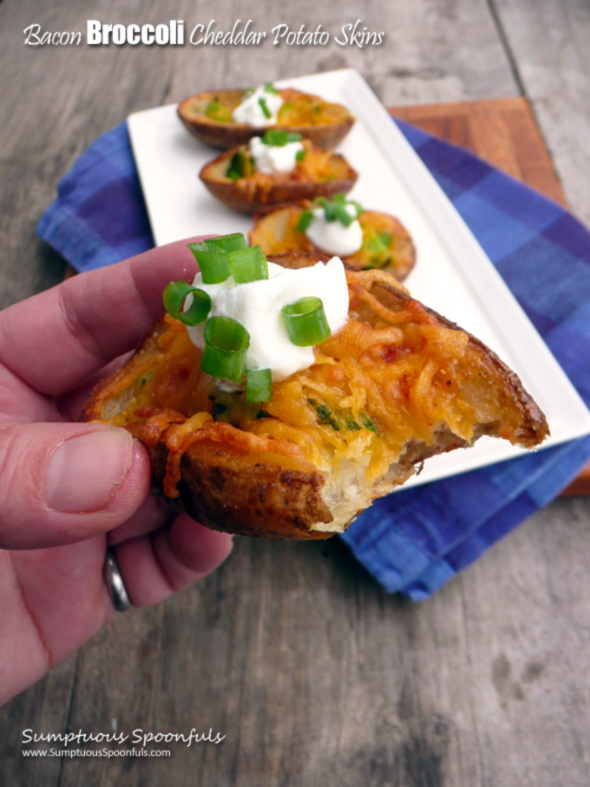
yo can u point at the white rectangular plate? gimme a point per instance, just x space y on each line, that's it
452 275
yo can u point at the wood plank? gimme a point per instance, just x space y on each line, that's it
501 131
548 45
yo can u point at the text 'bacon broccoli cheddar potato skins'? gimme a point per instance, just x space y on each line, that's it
209 116
393 386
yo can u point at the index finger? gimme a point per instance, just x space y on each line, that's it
55 340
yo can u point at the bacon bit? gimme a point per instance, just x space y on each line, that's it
180 438
404 387
391 354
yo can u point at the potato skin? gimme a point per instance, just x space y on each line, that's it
249 197
212 132
273 496
269 233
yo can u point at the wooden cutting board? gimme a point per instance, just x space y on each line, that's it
503 132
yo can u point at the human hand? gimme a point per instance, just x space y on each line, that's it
67 488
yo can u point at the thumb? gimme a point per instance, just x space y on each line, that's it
67 482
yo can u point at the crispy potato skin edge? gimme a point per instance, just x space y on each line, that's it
264 500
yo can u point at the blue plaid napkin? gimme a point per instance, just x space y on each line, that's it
417 539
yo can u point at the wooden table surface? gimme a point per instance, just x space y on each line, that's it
314 674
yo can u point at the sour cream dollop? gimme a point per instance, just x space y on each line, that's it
274 158
257 306
333 236
250 111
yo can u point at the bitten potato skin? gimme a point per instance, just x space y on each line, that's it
250 195
226 135
274 496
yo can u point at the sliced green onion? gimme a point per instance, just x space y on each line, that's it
240 166
264 107
214 265
227 242
380 244
329 208
235 170
270 88
278 137
212 108
226 345
258 385
337 209
212 256
301 154
343 216
248 265
306 322
304 220
174 297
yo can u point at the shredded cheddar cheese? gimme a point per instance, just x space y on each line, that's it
385 378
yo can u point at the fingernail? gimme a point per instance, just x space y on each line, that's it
84 472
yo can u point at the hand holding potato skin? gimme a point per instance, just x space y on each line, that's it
67 488
394 386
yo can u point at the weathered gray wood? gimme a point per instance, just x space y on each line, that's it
292 651
548 41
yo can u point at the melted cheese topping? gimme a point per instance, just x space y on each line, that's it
385 378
